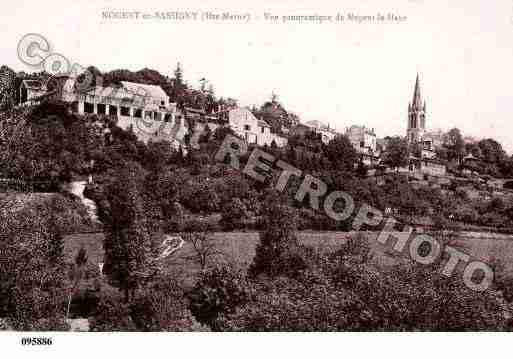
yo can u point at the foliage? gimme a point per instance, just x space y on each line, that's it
454 144
396 154
52 146
162 306
128 244
112 314
204 247
32 282
234 215
279 251
341 153
219 291
307 304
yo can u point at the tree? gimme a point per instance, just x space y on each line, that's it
455 145
112 314
396 154
218 292
163 306
204 247
362 169
234 214
76 274
129 249
278 252
179 82
32 270
341 153
494 156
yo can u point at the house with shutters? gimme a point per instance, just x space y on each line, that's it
253 130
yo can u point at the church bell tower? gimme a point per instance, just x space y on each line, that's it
416 116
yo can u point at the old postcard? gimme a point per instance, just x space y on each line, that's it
276 166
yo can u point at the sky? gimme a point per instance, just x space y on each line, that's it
340 73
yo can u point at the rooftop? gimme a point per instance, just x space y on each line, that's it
143 89
262 123
33 84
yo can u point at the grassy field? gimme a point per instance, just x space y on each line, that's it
238 249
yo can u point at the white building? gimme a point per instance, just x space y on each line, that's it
245 124
327 133
31 91
363 139
145 108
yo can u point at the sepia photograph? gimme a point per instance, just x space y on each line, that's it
191 173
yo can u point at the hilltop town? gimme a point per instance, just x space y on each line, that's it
160 108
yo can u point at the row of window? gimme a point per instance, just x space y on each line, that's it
101 109
248 128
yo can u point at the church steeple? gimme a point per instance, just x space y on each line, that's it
416 115
417 97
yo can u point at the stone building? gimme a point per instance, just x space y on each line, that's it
363 139
31 91
245 124
144 108
427 167
327 133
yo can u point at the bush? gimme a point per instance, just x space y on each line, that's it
203 198
32 270
308 304
356 248
192 225
278 252
162 306
411 297
218 292
112 315
234 215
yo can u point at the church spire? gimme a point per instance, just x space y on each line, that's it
416 115
417 97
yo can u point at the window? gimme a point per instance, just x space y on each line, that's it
148 114
113 110
101 109
167 117
162 103
247 127
138 113
157 116
125 111
263 129
362 143
88 107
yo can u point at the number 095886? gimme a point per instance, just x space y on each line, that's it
36 341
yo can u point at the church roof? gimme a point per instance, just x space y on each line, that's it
417 96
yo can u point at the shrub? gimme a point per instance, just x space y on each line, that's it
234 215
162 306
32 280
411 297
356 248
193 225
204 248
278 252
112 315
309 304
218 292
